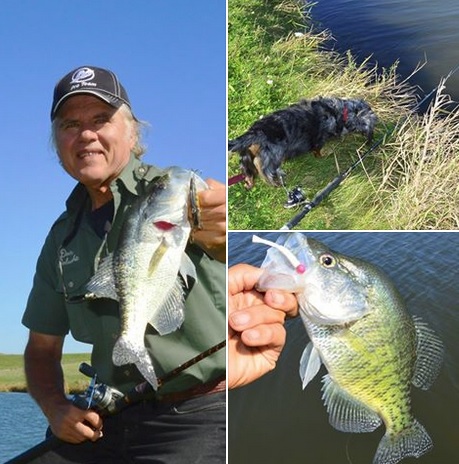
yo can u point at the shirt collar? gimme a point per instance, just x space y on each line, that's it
130 178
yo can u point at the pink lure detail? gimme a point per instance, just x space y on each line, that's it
164 225
301 269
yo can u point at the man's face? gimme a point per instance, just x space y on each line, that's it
93 140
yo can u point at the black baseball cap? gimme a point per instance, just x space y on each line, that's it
99 82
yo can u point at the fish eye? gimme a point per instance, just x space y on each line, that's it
327 261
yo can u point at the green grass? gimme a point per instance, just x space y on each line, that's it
271 66
12 372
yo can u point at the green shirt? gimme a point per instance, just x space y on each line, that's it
68 260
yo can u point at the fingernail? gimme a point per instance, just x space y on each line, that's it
240 318
277 297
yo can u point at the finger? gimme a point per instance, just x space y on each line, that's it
97 434
215 195
282 301
93 419
270 336
89 432
215 184
242 277
249 318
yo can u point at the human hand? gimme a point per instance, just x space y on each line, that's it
211 237
74 425
256 333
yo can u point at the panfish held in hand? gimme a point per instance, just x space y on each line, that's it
361 331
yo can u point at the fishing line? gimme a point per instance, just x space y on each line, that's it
333 184
348 454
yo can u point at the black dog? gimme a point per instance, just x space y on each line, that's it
299 128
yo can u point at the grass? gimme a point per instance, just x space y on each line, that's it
12 377
420 179
275 58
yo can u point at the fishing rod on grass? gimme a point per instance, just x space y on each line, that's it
296 193
107 400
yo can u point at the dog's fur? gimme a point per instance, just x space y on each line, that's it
295 130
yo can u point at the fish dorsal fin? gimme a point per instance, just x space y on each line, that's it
187 269
429 355
345 412
309 364
172 312
102 284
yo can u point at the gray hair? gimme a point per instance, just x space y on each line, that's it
133 123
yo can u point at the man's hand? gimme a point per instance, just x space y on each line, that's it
256 333
212 235
45 381
74 425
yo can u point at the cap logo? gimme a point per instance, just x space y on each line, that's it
82 75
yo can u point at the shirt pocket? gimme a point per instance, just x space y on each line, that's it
72 283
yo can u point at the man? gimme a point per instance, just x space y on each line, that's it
97 140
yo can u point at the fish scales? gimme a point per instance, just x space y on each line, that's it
373 360
361 331
149 269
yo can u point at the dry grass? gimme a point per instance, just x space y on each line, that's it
420 180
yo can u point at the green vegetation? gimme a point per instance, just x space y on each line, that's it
12 377
275 58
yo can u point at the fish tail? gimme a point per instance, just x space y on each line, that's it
414 441
127 352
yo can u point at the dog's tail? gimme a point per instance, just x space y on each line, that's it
237 144
241 143
232 145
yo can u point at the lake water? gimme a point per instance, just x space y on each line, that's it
22 425
273 420
411 31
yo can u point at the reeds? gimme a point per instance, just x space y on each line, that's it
420 172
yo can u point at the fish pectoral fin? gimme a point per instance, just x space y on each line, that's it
156 258
429 355
310 363
414 441
187 269
346 413
171 314
102 284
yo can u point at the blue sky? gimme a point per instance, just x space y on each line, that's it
171 58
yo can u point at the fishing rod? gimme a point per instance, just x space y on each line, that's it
322 194
107 400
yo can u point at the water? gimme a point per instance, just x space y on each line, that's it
22 425
410 31
273 420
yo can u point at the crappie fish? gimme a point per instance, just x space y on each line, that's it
361 331
147 271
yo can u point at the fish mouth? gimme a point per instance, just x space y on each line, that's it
311 313
275 280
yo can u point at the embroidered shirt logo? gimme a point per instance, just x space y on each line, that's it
67 257
82 75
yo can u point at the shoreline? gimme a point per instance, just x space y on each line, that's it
12 377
